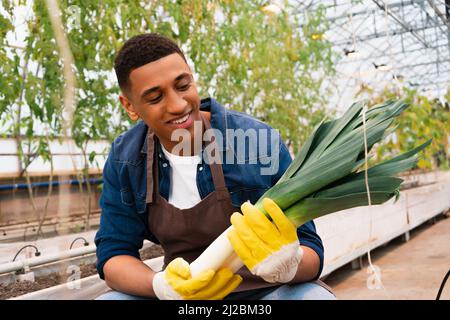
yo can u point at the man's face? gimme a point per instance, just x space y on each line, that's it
163 94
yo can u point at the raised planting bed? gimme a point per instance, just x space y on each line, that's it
16 289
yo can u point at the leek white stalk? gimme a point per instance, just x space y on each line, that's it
219 254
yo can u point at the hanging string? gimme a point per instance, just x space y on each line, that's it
372 268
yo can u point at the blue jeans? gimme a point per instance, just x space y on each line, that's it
300 291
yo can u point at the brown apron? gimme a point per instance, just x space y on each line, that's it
188 232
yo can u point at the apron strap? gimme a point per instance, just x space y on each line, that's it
216 168
152 168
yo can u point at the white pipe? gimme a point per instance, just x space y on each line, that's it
31 262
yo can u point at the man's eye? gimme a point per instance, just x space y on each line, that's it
185 87
154 100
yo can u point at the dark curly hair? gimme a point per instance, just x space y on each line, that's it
140 50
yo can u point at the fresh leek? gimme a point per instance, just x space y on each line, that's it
328 174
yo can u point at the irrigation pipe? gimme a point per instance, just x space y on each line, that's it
35 261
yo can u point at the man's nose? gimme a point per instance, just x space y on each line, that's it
175 103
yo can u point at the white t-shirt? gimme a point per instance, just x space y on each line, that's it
183 192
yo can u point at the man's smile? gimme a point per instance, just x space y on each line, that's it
183 122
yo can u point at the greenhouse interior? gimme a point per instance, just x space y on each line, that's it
329 155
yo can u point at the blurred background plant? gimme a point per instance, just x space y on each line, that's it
229 45
424 118
249 58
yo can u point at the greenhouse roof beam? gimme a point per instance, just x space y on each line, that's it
394 53
426 79
402 6
377 35
392 59
413 83
404 24
439 13
435 19
426 69
363 12
425 83
421 64
438 81
409 37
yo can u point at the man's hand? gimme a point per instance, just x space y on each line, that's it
176 283
271 251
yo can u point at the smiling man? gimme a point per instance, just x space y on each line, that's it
181 201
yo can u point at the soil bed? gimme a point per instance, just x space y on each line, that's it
19 288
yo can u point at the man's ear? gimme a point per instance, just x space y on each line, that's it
129 108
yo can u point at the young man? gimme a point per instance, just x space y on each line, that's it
154 191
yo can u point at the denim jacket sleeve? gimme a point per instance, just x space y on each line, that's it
307 234
122 231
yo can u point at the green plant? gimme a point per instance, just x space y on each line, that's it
249 60
424 119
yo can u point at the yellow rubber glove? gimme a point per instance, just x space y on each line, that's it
269 250
176 283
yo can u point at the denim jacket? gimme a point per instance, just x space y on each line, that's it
249 170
